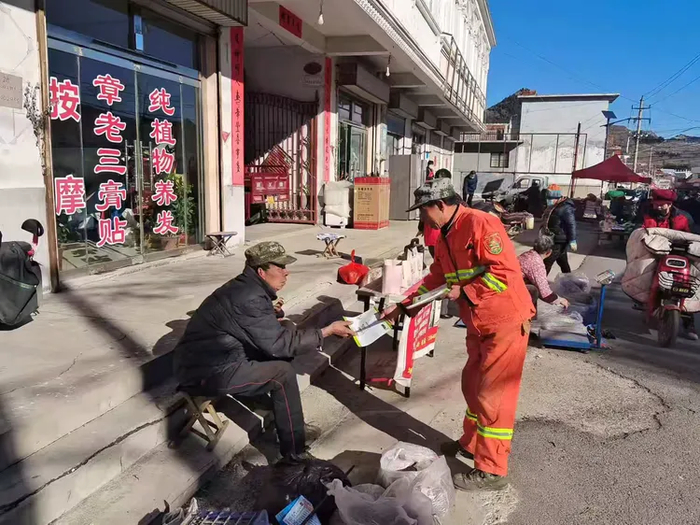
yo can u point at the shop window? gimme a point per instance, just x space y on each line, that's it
393 144
105 20
499 160
395 125
352 159
353 111
168 41
418 143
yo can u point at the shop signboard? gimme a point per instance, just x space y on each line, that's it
69 191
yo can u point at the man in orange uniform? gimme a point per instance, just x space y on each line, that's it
474 256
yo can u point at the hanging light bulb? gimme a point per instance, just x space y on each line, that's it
388 71
320 14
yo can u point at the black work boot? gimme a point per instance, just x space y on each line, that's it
453 449
479 480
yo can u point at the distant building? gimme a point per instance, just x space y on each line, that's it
541 141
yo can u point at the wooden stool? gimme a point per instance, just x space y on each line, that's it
196 407
331 240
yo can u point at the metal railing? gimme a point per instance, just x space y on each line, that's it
489 136
461 88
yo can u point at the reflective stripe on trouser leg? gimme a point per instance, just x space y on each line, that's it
498 383
470 392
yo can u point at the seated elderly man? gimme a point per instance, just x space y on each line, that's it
235 344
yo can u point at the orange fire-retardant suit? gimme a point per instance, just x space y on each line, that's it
496 307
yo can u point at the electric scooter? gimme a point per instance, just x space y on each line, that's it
20 278
671 286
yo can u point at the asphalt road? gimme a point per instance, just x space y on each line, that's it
600 438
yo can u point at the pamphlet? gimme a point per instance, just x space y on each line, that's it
296 513
368 327
423 300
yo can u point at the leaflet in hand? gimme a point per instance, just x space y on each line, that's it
368 327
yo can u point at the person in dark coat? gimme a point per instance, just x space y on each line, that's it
534 199
235 344
469 187
561 224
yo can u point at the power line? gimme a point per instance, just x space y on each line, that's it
679 89
663 85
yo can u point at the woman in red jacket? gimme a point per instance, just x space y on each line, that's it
663 214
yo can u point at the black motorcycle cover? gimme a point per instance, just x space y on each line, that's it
19 279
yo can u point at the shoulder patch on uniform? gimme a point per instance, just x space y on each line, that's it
493 243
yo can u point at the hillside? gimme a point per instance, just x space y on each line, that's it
681 152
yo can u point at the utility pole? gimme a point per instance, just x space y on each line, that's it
578 138
639 119
651 156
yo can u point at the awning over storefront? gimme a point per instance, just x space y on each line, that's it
610 170
221 12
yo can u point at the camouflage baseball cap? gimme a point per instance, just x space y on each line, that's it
268 252
431 191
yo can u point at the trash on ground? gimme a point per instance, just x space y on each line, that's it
424 471
297 513
303 477
400 504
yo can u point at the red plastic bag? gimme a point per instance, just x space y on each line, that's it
352 273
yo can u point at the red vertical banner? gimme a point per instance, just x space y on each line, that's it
237 106
327 92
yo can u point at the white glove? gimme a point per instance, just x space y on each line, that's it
573 246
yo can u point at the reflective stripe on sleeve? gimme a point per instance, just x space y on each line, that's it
493 283
470 415
465 275
422 289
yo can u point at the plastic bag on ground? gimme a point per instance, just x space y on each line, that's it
576 287
352 273
428 473
400 504
553 317
293 478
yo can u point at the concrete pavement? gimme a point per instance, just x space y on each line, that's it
78 406
600 438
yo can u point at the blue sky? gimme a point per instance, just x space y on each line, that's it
616 46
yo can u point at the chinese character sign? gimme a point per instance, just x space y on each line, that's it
163 160
237 107
69 193
64 98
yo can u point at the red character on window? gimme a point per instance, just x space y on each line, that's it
109 161
162 132
109 87
111 194
110 126
162 161
64 98
164 223
160 99
165 193
70 194
112 231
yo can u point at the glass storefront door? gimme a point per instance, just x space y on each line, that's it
126 158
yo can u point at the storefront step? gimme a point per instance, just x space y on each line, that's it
174 475
40 414
50 482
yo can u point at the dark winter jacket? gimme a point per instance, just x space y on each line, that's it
469 185
562 222
234 324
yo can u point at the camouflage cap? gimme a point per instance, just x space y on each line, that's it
268 252
431 191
